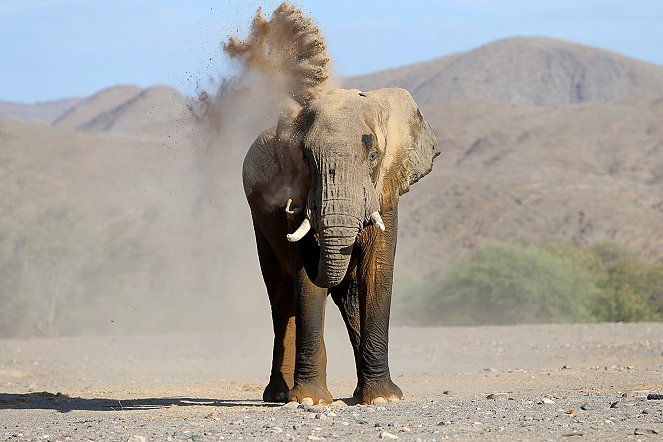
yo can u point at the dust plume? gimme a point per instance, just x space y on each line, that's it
289 48
154 235
281 65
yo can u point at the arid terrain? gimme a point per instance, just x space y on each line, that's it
123 225
547 382
155 199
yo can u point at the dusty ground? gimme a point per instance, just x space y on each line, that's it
547 383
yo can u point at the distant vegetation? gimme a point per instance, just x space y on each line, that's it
525 282
59 277
51 276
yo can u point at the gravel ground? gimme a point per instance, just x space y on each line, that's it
548 382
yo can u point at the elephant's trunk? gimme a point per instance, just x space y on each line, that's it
339 206
336 245
336 236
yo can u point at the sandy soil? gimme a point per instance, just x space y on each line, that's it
546 382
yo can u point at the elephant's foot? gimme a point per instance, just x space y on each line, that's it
310 393
277 390
377 391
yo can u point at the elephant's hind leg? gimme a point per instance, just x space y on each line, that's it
280 290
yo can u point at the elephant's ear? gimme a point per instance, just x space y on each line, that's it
407 142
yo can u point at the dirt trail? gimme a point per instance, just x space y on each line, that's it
546 382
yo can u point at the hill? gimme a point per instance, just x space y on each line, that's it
584 174
43 112
122 108
536 71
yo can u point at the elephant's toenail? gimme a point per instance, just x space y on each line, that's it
307 401
379 400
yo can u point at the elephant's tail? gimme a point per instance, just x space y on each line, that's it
289 46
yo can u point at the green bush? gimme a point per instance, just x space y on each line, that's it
631 289
523 282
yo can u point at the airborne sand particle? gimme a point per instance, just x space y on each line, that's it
282 64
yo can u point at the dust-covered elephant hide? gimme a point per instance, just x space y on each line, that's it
323 186
324 194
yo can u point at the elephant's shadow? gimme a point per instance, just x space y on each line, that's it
64 403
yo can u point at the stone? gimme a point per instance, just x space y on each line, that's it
643 431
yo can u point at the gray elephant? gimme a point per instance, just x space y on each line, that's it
323 187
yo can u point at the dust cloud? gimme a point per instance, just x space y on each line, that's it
184 258
282 64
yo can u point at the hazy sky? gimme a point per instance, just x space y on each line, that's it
62 48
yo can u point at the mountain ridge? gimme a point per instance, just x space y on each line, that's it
523 70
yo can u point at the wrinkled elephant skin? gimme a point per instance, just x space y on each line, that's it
323 187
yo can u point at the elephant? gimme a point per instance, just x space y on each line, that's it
323 187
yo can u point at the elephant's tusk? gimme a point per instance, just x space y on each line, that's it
295 208
287 207
377 220
300 232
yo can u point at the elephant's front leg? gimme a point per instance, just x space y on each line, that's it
346 297
279 289
375 277
311 358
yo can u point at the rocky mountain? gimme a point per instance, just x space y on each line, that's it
127 109
536 71
584 174
103 101
43 112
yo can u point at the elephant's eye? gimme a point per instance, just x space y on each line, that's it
368 140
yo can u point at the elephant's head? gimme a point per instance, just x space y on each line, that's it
359 152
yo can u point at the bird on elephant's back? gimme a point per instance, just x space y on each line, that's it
323 187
